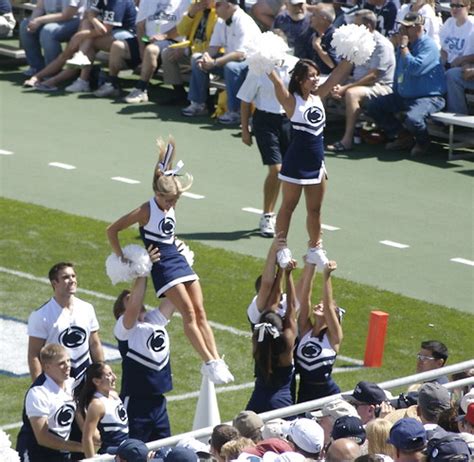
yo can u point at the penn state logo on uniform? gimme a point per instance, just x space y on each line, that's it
311 350
167 226
313 115
72 337
121 413
156 341
64 415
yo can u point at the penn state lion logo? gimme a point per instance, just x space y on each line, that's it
72 337
311 350
156 341
313 115
121 413
64 415
167 226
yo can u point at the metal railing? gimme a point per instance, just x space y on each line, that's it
205 433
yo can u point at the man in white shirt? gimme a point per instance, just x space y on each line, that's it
65 320
235 31
49 411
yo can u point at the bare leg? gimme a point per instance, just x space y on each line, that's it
182 301
271 188
353 98
195 292
314 195
150 62
119 52
291 196
65 74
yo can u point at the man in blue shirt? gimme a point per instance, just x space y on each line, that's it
418 89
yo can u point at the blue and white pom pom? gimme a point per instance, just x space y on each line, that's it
266 53
185 251
354 43
139 266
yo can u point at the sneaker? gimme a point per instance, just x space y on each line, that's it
284 257
195 109
317 256
30 72
137 96
78 86
420 149
229 118
40 86
106 90
79 60
402 143
217 372
267 225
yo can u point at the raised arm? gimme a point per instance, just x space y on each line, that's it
135 303
285 98
268 276
339 74
306 288
289 321
330 314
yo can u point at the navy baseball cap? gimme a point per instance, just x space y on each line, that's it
349 427
181 454
446 448
131 450
366 393
408 435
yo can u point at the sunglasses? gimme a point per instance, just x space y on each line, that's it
456 5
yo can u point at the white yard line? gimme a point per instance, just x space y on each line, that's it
397 245
192 195
122 179
464 261
63 166
3 152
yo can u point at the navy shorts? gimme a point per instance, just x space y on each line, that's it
272 133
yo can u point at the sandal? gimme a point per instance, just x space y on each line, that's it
337 147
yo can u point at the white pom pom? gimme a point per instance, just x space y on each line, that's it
7 454
354 43
264 54
139 266
185 251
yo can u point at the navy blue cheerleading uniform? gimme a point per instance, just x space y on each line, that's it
113 426
274 393
146 375
46 399
303 162
172 269
315 359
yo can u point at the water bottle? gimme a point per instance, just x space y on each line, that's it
357 130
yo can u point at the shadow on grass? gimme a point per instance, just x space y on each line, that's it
222 235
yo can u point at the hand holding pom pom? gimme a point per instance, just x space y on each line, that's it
136 263
354 43
268 52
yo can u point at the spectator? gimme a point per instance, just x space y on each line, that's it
466 421
273 342
265 12
7 20
432 355
307 437
318 47
449 448
272 131
273 445
369 80
196 26
433 399
101 410
343 449
65 320
457 35
367 398
235 31
232 449
458 80
249 425
50 24
425 8
409 438
221 434
378 431
419 86
146 368
386 12
319 341
349 427
295 22
133 450
330 412
49 410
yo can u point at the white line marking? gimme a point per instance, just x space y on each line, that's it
329 227
394 244
5 153
61 165
192 195
252 210
358 362
464 261
124 180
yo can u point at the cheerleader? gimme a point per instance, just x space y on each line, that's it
319 340
172 276
102 410
303 168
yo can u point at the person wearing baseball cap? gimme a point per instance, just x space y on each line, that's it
409 438
307 437
349 427
433 399
329 413
131 450
366 398
466 421
450 448
249 424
